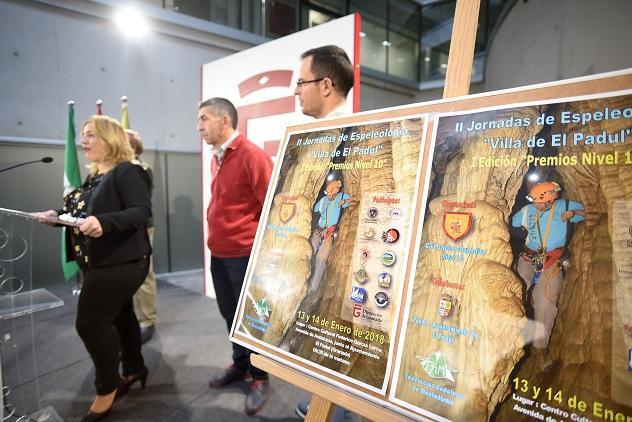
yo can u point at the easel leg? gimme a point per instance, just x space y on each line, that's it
320 410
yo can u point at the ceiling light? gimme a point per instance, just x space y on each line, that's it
131 22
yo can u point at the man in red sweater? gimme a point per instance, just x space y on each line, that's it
241 172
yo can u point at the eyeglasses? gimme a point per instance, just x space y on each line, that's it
301 82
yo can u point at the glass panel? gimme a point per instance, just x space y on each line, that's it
336 6
481 29
158 3
374 38
403 56
436 31
197 8
252 16
311 17
372 46
225 12
280 17
403 50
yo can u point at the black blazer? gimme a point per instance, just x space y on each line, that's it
122 204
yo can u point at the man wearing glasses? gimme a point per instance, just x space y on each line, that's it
325 78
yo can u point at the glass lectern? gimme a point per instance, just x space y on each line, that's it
18 302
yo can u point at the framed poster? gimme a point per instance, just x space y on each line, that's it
516 296
521 298
325 281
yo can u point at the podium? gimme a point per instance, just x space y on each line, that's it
18 304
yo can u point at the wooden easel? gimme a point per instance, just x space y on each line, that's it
457 83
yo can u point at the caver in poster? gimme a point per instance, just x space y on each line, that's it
324 282
520 306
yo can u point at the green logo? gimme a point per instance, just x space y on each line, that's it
262 308
436 366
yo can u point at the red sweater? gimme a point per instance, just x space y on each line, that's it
238 190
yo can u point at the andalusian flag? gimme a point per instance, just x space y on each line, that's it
72 180
124 113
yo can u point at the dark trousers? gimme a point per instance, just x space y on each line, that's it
228 278
107 324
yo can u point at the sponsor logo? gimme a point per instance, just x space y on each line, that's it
381 299
390 236
457 224
368 233
389 258
361 276
384 280
358 294
446 305
364 255
287 211
262 308
395 213
436 366
357 310
371 316
372 212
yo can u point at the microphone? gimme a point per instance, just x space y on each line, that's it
43 160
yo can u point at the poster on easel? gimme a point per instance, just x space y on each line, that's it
325 279
520 298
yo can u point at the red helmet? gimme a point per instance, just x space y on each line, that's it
543 192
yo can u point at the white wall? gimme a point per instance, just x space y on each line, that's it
52 54
549 40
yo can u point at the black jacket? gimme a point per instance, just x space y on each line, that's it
122 204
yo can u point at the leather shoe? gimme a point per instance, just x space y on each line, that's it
146 333
91 416
228 376
257 396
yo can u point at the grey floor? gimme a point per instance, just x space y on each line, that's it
45 364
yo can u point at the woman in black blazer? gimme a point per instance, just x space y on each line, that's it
112 249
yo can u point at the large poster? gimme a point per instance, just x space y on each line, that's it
520 302
325 280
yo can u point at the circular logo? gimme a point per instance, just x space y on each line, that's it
384 280
388 258
381 299
368 233
395 213
372 212
390 236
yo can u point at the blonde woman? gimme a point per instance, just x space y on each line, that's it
112 249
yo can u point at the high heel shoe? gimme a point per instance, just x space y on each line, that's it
91 416
128 382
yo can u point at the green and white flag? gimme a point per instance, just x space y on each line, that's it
72 180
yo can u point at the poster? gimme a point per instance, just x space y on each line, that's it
520 301
324 282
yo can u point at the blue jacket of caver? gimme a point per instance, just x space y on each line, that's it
526 218
330 209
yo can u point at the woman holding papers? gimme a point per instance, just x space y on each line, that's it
111 246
